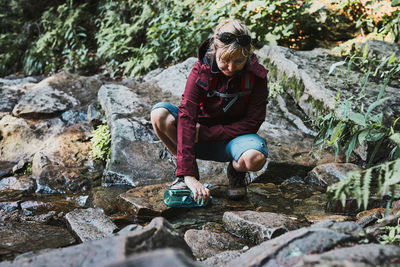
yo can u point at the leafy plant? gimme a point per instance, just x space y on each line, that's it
351 125
373 18
357 184
65 43
275 88
101 143
393 235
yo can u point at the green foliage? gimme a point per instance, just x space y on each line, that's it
351 125
392 236
275 88
101 143
131 37
357 184
65 42
386 27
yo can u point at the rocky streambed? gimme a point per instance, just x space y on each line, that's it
57 204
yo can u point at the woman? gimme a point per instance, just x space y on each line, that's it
221 110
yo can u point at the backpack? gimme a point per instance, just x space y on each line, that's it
247 84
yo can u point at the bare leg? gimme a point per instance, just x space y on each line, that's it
164 127
250 160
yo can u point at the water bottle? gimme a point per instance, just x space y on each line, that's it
182 198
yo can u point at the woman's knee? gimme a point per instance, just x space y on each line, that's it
253 159
161 118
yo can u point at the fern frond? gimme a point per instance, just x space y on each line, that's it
367 177
357 183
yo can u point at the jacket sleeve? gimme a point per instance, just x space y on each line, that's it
186 127
250 123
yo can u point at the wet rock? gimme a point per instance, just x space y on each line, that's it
205 244
351 206
63 164
21 183
78 200
9 206
368 217
157 234
90 224
378 229
285 250
17 238
180 72
223 258
106 198
158 257
145 201
258 226
35 207
49 209
5 167
265 195
135 150
295 188
17 215
57 94
317 218
327 174
360 255
21 139
350 228
304 76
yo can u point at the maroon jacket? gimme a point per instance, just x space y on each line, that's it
245 116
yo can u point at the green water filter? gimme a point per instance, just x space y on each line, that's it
182 198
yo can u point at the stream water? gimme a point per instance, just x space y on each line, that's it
292 197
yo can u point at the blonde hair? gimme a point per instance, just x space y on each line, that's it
227 50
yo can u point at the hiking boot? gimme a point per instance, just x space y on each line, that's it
237 184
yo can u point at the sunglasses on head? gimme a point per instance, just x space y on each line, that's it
228 38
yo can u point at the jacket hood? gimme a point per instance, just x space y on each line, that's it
252 64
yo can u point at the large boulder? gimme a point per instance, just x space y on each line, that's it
258 226
56 94
156 235
328 174
159 257
63 163
90 224
136 153
145 200
205 244
179 72
287 249
21 139
17 238
305 77
360 255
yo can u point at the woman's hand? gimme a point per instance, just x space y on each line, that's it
200 193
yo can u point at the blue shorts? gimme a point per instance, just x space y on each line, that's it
222 151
